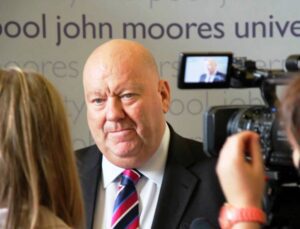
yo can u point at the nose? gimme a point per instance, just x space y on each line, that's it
114 109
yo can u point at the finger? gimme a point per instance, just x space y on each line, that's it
243 143
255 151
234 149
230 148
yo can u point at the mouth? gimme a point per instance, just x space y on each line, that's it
121 135
119 130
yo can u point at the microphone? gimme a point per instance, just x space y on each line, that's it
201 223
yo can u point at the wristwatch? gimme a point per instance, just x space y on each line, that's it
230 215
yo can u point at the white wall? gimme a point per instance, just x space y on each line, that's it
55 37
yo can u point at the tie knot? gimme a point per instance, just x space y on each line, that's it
130 176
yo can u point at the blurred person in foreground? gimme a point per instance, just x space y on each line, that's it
243 181
126 105
39 184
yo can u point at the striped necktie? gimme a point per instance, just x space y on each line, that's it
126 207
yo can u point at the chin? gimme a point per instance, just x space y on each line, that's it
127 162
126 148
125 153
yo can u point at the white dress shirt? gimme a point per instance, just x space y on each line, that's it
148 187
210 77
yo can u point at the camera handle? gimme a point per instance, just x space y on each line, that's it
268 86
268 93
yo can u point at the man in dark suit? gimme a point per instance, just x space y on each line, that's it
126 105
212 74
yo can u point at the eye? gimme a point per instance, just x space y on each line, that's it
127 96
98 101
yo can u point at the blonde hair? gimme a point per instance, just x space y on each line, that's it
37 163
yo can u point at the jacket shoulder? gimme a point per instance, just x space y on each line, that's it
87 151
187 145
88 157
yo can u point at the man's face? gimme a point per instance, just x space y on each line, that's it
211 67
125 111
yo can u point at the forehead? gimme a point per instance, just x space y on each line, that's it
120 64
211 63
116 77
116 70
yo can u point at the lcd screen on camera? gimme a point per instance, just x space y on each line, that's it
204 70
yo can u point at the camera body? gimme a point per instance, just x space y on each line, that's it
222 121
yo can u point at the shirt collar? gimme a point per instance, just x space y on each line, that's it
153 169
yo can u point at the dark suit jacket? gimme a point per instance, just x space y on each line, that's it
190 188
219 76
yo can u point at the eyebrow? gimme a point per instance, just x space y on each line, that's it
93 93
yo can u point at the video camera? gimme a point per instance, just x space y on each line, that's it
222 121
281 200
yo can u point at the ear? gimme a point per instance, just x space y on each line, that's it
164 91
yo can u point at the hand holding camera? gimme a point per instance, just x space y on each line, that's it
241 159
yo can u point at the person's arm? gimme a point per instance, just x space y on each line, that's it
240 170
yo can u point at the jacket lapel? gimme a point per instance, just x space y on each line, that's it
178 185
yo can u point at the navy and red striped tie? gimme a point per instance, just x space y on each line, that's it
126 207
